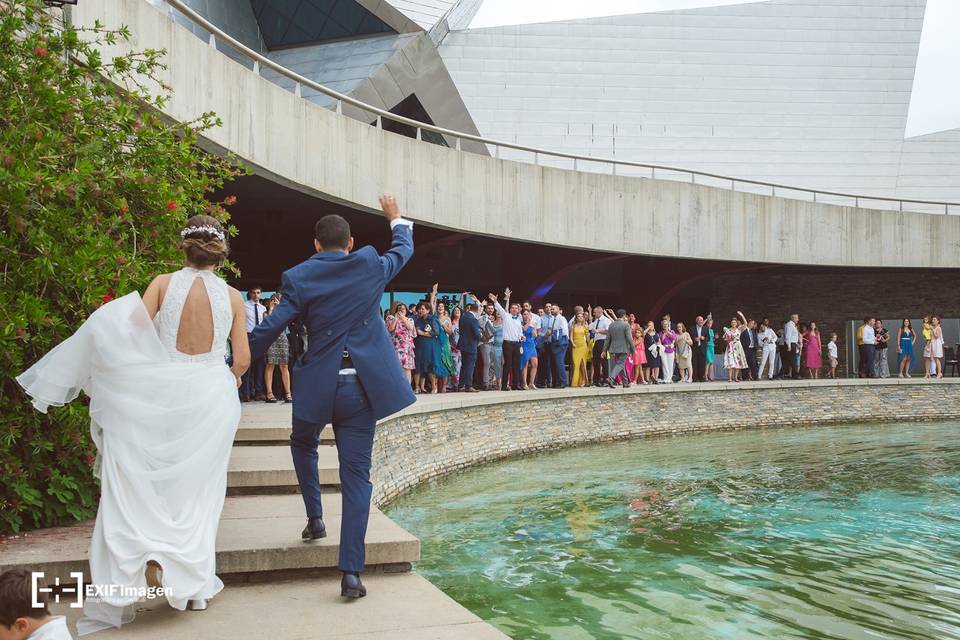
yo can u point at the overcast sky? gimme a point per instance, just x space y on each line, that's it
935 101
494 13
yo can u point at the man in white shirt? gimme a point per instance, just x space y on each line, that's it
598 331
791 340
512 335
768 343
545 377
868 349
252 385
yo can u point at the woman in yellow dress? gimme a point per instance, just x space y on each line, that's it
578 334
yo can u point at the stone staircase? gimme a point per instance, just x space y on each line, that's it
262 515
265 564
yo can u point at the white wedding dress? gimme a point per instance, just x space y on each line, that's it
163 422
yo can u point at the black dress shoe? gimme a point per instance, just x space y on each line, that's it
314 529
351 587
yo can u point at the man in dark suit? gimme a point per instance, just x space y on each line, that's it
750 342
468 343
700 335
350 375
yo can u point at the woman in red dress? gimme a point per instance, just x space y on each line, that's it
812 350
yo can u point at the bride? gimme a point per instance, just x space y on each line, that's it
163 414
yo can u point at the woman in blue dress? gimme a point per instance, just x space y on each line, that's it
444 364
528 357
905 339
426 345
711 339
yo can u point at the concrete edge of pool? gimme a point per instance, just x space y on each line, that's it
445 433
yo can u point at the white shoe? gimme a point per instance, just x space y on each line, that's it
197 605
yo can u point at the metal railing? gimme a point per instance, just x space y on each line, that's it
616 166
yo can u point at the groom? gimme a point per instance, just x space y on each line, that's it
350 375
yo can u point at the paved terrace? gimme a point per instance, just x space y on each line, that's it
276 581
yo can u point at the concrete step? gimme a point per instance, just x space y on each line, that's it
270 423
265 431
257 535
271 467
401 606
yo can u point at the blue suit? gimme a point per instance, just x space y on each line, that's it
467 344
336 296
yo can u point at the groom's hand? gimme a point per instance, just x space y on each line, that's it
391 210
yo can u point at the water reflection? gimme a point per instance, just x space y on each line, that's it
848 532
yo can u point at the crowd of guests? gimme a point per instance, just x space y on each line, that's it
468 344
261 381
473 344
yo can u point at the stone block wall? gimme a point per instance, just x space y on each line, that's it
430 440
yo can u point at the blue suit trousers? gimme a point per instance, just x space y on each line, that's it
353 428
558 349
467 368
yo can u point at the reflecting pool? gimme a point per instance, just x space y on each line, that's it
842 532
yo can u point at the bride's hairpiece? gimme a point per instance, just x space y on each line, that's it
211 230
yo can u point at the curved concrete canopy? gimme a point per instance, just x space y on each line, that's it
341 159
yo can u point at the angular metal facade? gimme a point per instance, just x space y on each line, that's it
810 93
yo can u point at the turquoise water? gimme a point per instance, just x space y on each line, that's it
847 532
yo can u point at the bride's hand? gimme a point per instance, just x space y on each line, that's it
239 381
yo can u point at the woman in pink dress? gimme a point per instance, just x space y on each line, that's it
812 350
402 331
639 357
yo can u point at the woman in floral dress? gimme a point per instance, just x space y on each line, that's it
734 358
402 331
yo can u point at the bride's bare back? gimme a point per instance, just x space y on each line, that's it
195 334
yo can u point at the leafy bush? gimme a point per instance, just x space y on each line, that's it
94 188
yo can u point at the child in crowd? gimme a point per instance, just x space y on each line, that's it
832 354
928 361
19 619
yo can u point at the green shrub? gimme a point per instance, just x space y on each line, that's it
94 188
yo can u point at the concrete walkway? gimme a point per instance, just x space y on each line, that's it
400 607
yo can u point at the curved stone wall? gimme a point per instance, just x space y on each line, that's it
439 436
297 143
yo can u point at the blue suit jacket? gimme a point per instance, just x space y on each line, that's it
337 298
469 333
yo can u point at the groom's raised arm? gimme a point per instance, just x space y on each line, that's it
265 333
401 248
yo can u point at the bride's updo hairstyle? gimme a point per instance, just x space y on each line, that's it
204 242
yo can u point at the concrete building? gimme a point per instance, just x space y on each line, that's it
812 93
571 236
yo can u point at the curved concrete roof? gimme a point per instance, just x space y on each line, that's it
298 143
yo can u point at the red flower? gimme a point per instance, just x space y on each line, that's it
230 200
172 205
107 297
124 208
89 458
41 52
38 134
